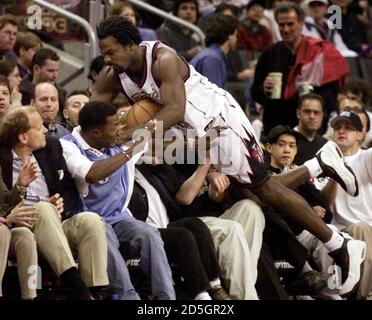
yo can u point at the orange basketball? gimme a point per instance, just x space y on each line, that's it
141 112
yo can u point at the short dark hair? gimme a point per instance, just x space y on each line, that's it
124 31
225 6
96 65
8 19
219 27
7 67
94 115
4 81
311 96
276 132
26 40
253 3
288 8
358 87
118 7
178 3
15 122
42 55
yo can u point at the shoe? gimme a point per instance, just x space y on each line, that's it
219 293
349 259
331 161
309 283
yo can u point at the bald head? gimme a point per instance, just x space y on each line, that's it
46 101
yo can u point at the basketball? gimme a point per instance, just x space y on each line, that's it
141 112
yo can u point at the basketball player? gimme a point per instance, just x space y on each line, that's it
153 70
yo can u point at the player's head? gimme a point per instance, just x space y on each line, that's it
282 146
117 39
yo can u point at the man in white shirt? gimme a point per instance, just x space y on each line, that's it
352 215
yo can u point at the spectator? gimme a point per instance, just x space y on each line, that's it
221 31
10 70
126 10
298 58
238 72
75 101
310 113
253 36
187 241
96 65
26 45
4 96
353 216
179 37
353 33
105 179
47 104
8 35
318 26
45 68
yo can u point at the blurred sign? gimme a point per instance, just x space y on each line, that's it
52 24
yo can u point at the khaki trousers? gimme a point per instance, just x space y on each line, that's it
237 235
359 231
82 236
22 245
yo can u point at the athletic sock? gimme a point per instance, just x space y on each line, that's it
215 283
335 242
314 168
203 296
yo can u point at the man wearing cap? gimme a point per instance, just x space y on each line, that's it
318 26
352 215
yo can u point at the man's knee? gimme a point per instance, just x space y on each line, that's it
45 211
250 209
23 234
90 222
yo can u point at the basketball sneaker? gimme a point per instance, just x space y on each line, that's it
331 161
349 259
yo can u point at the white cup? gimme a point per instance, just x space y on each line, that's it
277 89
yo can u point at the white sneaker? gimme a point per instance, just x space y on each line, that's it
349 259
331 161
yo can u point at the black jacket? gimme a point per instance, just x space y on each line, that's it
54 168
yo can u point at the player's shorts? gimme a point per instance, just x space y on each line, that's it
237 152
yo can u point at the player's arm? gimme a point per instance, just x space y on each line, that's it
169 69
105 86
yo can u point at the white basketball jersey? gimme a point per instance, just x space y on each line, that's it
238 152
204 100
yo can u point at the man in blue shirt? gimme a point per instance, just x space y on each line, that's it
221 32
104 176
